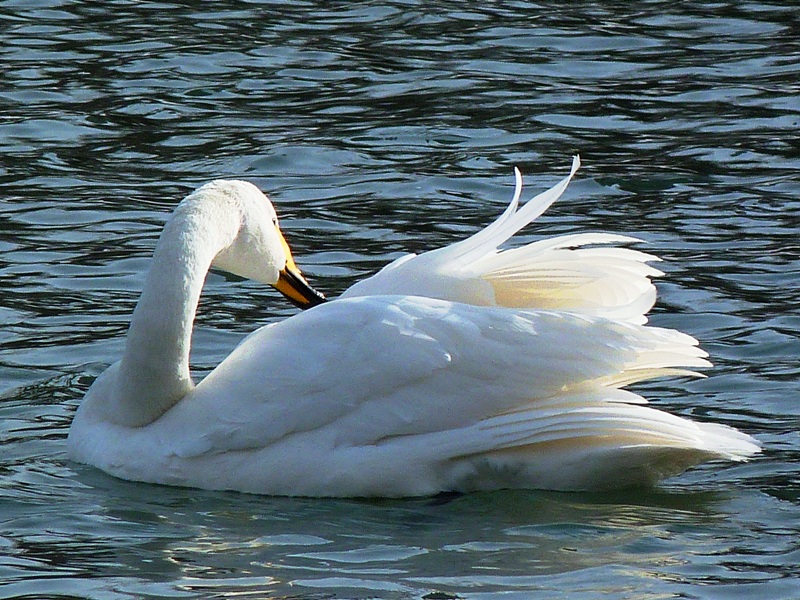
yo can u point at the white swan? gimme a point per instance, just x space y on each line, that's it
441 372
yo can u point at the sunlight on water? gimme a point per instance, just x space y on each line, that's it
380 129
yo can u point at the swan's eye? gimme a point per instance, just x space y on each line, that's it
275 221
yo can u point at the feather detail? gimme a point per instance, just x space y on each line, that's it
577 273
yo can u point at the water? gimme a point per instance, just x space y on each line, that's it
378 128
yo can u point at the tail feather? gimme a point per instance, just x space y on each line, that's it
591 440
614 424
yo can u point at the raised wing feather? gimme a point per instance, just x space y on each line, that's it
577 273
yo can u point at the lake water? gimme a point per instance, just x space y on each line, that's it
378 128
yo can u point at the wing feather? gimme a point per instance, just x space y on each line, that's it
406 366
577 272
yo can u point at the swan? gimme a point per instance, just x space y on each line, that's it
465 368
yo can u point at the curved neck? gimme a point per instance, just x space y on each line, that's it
154 371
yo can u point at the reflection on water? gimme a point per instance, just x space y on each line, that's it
381 128
214 543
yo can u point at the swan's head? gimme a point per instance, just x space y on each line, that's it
255 248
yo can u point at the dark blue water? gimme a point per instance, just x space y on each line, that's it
379 128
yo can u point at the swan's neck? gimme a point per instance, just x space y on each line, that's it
154 371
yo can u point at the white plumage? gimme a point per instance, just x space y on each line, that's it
464 368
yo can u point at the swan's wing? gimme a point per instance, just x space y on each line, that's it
578 273
592 439
355 372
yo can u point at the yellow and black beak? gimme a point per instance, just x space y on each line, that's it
293 285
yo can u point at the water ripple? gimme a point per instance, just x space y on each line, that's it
381 128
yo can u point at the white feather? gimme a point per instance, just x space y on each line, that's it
559 273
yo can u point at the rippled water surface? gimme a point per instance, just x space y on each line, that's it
378 128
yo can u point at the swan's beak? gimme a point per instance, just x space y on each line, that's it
293 285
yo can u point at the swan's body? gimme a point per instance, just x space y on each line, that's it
441 372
